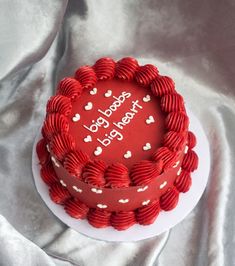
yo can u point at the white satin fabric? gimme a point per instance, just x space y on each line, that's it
43 41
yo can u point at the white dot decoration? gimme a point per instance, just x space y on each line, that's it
142 189
186 149
150 120
147 147
123 200
163 185
55 161
96 190
98 151
76 117
127 155
63 183
176 164
88 106
93 91
145 202
179 171
101 206
108 93
146 98
48 149
79 190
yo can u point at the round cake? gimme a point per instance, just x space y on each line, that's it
116 148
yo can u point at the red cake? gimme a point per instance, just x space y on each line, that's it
115 147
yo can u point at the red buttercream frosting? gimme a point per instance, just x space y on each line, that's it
168 157
177 121
58 193
117 175
172 102
59 104
147 214
146 74
48 174
61 144
190 161
76 209
93 173
145 171
55 123
99 218
104 68
42 151
70 88
86 76
126 68
183 182
192 141
175 141
123 220
162 85
75 161
169 200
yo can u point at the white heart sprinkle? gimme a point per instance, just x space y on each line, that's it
108 93
179 171
147 147
87 139
48 149
98 151
186 149
127 154
77 189
146 202
163 185
96 190
76 118
63 183
147 98
88 106
141 189
101 206
93 91
123 200
55 161
176 164
150 120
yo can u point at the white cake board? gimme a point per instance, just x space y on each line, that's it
165 220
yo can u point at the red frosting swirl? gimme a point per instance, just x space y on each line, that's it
162 85
192 141
58 193
48 174
190 161
147 214
168 157
55 123
99 218
169 199
177 121
126 68
86 76
117 176
105 68
146 74
59 104
42 152
76 209
61 144
75 161
172 102
70 88
144 171
122 220
183 182
93 173
174 140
